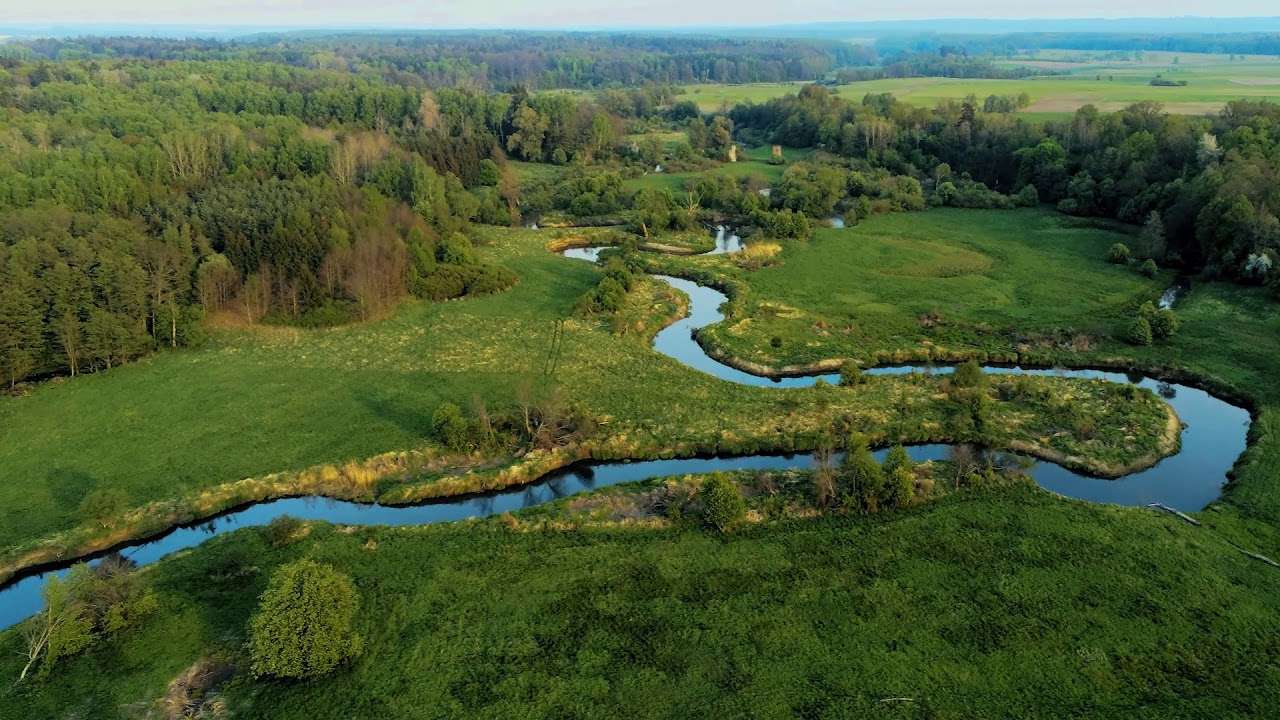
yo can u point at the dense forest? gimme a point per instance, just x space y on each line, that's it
141 196
137 198
497 60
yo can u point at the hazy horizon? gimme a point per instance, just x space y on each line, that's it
592 14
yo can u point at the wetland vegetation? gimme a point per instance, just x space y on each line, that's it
232 276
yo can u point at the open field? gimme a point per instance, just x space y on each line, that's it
289 399
916 285
1109 85
986 603
975 285
968 605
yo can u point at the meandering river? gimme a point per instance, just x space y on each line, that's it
1213 439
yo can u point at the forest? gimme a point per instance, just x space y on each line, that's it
138 202
497 60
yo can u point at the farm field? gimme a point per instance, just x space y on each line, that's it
1109 85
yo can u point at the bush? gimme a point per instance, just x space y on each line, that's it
1164 324
850 374
304 626
900 485
282 531
1139 332
861 474
968 375
775 341
450 427
722 503
1028 196
1118 254
104 505
1148 268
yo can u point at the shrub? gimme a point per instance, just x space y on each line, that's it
757 255
862 476
1164 324
900 487
1148 268
775 341
1118 254
968 375
282 531
722 503
450 427
1139 332
104 505
1028 196
850 374
304 626
897 458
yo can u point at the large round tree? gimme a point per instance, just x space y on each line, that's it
304 624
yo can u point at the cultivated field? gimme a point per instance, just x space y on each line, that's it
1109 84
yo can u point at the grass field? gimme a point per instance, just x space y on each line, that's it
988 602
1212 80
919 284
265 400
998 603
1010 285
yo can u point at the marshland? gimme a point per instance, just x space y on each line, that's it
356 376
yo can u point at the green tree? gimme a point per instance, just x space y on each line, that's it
1151 241
722 503
450 426
861 475
1118 254
896 459
305 623
63 627
968 374
21 330
1139 332
850 374
530 131
900 479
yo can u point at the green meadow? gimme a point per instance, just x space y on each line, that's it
989 603
919 284
1212 80
281 399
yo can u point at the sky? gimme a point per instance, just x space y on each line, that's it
585 13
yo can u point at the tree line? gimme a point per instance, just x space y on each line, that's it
1211 181
489 60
